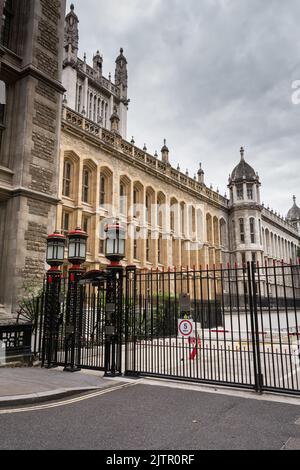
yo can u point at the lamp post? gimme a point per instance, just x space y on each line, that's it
55 257
76 256
114 252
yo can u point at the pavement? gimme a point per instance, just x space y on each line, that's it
124 414
28 385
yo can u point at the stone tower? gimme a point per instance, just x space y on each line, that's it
31 53
121 80
88 91
293 215
71 37
245 214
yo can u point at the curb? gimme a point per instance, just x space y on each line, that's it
34 398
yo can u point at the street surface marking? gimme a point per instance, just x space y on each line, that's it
214 389
67 402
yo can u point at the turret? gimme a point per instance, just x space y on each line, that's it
244 183
200 174
165 152
121 74
245 215
97 64
115 121
293 215
71 37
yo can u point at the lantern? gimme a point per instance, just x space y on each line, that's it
115 242
56 243
77 246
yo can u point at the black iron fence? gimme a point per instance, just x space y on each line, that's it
244 325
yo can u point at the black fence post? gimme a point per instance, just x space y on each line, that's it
73 322
113 321
130 313
51 318
258 377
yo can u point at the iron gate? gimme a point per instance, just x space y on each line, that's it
246 325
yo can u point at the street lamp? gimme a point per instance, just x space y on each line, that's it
56 243
77 247
115 243
114 252
76 256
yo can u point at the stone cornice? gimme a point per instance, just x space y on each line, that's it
29 193
19 72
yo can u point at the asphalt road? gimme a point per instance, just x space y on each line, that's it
154 418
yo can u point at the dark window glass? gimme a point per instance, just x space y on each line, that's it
252 230
85 186
7 17
3 92
67 180
102 190
65 223
242 231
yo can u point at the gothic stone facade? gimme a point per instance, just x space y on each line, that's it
69 164
31 98
173 220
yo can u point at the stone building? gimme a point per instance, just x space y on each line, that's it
30 119
67 162
172 219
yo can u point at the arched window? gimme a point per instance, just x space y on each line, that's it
148 247
67 178
252 230
102 190
182 217
99 111
159 249
86 185
79 98
242 230
95 108
122 199
90 106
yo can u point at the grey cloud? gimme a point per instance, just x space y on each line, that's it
209 76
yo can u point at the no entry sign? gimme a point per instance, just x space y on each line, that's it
185 328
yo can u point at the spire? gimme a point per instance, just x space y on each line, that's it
97 63
242 153
115 120
71 36
121 75
165 152
294 199
200 174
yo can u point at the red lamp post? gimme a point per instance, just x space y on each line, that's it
77 256
114 252
56 243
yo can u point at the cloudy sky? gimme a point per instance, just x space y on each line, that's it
209 76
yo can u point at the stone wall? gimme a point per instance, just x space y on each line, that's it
34 149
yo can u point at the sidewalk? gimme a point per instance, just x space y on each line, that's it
27 385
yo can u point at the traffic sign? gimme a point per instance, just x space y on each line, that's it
186 328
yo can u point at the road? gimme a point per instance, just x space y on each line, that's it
150 416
